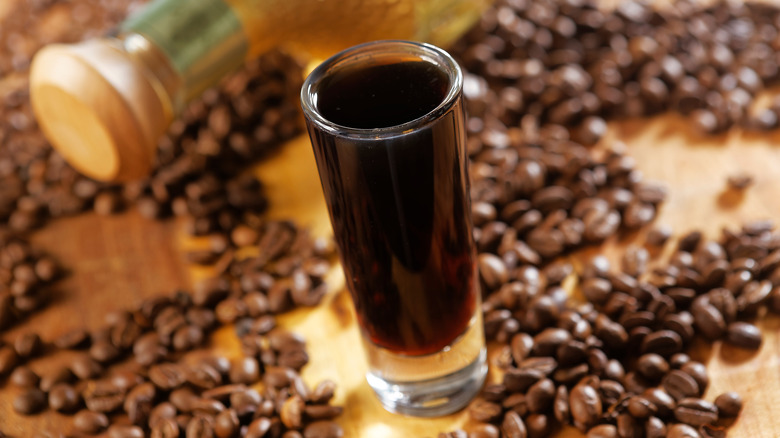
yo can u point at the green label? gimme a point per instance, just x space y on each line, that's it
203 39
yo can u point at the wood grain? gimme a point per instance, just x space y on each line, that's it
116 261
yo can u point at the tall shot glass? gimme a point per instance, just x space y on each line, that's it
386 122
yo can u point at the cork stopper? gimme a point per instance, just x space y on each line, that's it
99 106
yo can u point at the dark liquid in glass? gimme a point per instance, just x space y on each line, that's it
399 206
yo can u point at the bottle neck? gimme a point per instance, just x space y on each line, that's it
186 45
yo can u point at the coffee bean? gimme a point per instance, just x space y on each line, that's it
698 371
200 426
652 366
27 345
640 407
729 404
167 376
73 339
484 431
84 367
60 374
584 405
165 428
164 410
695 412
603 431
64 398
139 403
226 424
245 370
682 431
29 402
323 429
513 426
540 395
662 342
561 405
124 431
24 377
680 385
292 412
90 422
102 396
322 412
628 426
484 411
744 335
8 360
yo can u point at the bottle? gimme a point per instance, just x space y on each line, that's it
104 103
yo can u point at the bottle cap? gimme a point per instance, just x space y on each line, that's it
100 107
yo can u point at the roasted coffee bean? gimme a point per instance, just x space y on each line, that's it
90 422
203 376
29 402
164 410
8 360
603 431
125 431
139 403
484 411
102 396
165 428
540 395
322 412
167 376
680 385
84 367
729 404
640 407
628 427
695 412
64 398
73 339
484 431
662 342
291 412
584 405
27 345
323 429
226 424
60 374
199 426
513 426
245 370
561 405
744 335
24 377
709 321
698 371
682 431
652 366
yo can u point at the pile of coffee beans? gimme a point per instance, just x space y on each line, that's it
614 364
567 62
149 363
26 276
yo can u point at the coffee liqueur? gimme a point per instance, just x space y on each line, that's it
393 202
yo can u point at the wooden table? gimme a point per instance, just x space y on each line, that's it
117 261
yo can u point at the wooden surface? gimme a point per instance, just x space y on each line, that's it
117 261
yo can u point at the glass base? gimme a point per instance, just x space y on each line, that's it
434 397
431 385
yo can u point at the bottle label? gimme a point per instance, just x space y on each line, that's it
203 39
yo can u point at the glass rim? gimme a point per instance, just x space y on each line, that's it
367 53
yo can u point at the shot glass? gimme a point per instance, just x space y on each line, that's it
386 122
